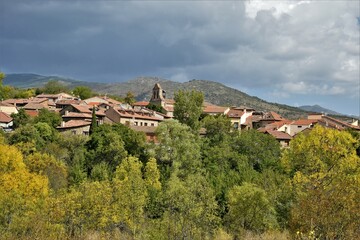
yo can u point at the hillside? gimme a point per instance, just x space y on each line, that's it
319 109
29 80
214 92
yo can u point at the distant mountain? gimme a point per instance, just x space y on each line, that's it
214 92
30 80
319 109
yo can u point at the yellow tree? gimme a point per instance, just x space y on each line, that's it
21 192
325 172
130 195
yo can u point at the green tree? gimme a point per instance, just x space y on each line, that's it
53 119
188 107
27 134
156 108
2 76
190 208
21 118
250 209
217 128
83 92
262 150
178 148
325 174
46 132
130 98
105 145
54 87
94 124
134 142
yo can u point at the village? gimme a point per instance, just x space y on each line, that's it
77 115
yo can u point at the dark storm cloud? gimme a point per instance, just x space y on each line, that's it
282 48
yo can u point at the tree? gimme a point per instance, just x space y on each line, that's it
130 195
178 148
190 208
156 108
2 76
53 119
134 142
129 99
93 121
325 174
82 92
262 150
27 134
21 118
54 87
249 208
217 128
22 193
47 165
188 108
105 145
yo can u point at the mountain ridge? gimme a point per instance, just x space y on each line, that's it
214 92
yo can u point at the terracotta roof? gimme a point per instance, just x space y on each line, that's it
305 122
136 115
278 124
279 135
82 108
104 98
32 113
16 101
5 118
34 106
243 108
141 103
214 109
6 104
68 102
233 113
74 123
341 123
77 115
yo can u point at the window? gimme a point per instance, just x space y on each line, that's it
145 124
152 124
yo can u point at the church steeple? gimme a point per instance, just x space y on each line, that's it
158 95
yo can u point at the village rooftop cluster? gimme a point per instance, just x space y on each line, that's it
77 115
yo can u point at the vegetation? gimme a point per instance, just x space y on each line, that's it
224 185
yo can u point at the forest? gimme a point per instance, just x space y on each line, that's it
222 185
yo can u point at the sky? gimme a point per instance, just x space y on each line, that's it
292 52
